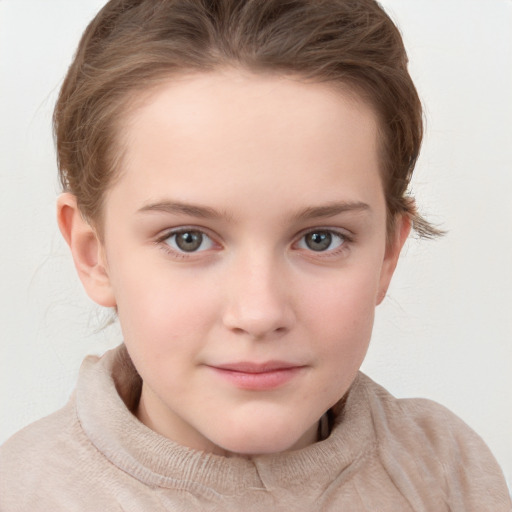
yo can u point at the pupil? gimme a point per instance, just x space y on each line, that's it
319 241
189 241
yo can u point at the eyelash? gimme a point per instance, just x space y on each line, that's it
162 241
346 241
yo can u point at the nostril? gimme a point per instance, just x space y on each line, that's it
259 332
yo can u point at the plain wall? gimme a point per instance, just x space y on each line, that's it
445 330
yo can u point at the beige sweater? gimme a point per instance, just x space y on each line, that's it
382 455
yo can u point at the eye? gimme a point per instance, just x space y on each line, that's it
189 240
321 240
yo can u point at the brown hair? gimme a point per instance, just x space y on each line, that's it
133 44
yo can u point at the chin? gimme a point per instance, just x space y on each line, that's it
256 448
267 442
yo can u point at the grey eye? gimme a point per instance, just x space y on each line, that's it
189 241
320 241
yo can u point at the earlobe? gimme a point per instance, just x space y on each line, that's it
86 249
400 235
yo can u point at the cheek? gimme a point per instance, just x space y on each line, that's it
341 321
160 309
342 310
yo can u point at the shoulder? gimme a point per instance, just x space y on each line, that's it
37 460
39 439
423 424
426 428
27 449
421 442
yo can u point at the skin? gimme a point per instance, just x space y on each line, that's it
255 163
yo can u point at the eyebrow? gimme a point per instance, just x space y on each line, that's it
205 212
176 207
332 209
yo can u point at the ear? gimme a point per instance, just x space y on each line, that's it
393 249
86 249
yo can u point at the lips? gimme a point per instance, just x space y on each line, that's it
258 376
248 367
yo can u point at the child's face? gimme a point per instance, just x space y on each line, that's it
245 248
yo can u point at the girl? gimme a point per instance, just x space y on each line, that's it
235 179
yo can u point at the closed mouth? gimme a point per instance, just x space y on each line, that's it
258 376
250 367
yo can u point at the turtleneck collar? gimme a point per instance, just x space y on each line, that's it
108 388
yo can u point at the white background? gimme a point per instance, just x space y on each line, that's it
445 330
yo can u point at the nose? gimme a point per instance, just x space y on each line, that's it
259 303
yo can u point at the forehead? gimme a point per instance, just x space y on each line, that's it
240 133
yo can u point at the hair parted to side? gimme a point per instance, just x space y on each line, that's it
132 45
